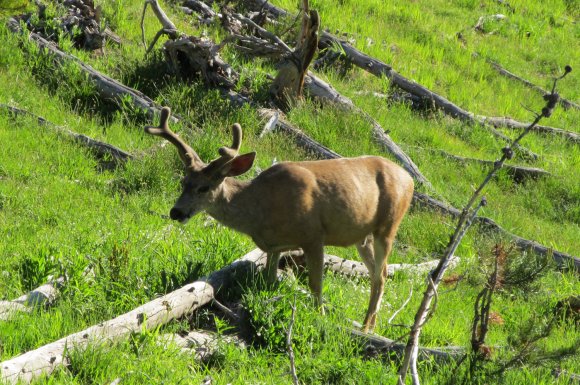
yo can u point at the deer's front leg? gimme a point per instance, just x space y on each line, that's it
272 268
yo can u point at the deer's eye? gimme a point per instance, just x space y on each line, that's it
203 189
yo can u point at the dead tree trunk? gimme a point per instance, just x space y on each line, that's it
518 173
562 259
375 345
44 360
190 55
355 268
289 82
566 104
43 295
100 149
107 88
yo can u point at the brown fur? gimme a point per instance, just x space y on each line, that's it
341 202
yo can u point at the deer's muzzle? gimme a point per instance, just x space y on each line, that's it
178 215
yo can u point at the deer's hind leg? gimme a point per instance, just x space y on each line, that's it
381 249
365 250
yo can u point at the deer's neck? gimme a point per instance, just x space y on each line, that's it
230 206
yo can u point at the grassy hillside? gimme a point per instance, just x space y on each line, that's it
61 211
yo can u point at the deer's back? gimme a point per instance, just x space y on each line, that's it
340 200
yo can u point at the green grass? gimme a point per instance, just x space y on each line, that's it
61 212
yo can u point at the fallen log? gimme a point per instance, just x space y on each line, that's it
566 104
301 139
9 308
514 124
380 69
44 360
43 295
562 259
518 173
375 345
355 268
107 88
100 149
201 343
81 22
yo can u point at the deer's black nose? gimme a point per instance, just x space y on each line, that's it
176 214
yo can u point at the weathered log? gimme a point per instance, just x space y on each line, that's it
107 88
206 12
562 259
480 25
100 149
376 345
82 24
380 69
9 308
563 101
43 295
299 137
356 268
254 46
264 33
418 103
518 173
45 359
514 124
202 343
190 55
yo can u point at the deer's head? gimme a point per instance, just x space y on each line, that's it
203 183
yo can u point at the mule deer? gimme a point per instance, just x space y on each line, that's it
306 205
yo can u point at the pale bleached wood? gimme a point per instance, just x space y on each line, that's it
563 101
46 359
100 149
300 138
378 345
106 87
356 268
9 308
201 343
43 295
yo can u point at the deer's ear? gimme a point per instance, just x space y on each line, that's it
240 164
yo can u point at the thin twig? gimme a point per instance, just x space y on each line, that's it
466 218
402 306
143 25
289 349
226 310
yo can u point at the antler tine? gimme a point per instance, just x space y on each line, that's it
232 151
186 153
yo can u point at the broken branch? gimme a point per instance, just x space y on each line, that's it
44 360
